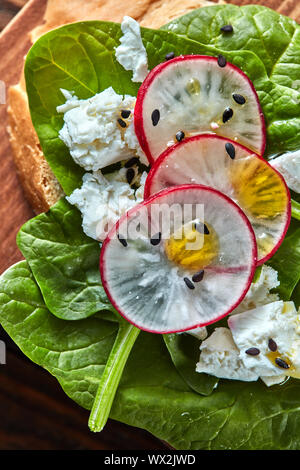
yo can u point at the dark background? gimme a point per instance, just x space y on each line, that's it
36 414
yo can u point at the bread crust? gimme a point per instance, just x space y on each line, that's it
149 13
40 185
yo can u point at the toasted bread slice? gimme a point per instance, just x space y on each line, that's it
39 183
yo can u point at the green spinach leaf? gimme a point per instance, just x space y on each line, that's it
184 351
152 394
287 262
237 415
295 209
65 263
74 352
274 38
296 295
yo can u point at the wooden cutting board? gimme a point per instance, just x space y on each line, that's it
34 412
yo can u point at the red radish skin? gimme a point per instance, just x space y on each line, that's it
164 156
138 111
114 231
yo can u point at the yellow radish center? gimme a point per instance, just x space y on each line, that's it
258 189
193 247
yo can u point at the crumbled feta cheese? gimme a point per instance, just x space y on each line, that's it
273 380
199 333
253 329
288 165
139 194
259 292
102 201
220 357
224 355
71 101
131 53
133 143
92 132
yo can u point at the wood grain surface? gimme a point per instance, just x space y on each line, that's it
8 9
35 414
34 411
14 209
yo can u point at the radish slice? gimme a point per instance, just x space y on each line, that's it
194 94
180 260
236 171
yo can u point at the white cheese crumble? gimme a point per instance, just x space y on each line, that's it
103 200
278 321
131 53
133 143
224 354
274 380
92 132
139 194
199 333
288 165
220 357
259 292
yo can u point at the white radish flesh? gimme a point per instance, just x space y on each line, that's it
192 95
152 286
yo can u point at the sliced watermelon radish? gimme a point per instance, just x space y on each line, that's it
194 94
182 259
236 171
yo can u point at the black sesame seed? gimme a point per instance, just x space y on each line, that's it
122 240
131 162
170 56
155 117
130 174
125 113
228 113
201 228
122 123
227 28
253 351
230 149
189 283
180 136
239 99
281 363
156 239
222 61
198 276
272 345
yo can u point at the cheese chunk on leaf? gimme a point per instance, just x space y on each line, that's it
272 332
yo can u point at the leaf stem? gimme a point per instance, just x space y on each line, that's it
295 210
111 376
